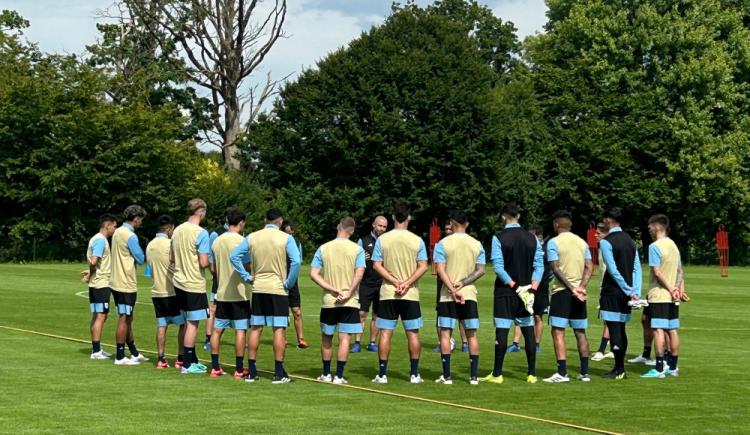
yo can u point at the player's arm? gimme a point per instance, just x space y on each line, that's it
377 265
588 271
536 275
97 252
479 271
135 249
609 260
438 257
239 257
498 263
359 272
295 262
212 262
203 247
316 266
637 276
654 262
418 272
553 257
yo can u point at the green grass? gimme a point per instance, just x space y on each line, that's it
50 385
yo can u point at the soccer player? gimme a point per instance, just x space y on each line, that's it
601 353
369 289
295 298
338 267
666 286
126 253
460 263
570 260
448 230
232 303
518 261
214 285
97 277
267 250
190 250
621 283
400 258
166 308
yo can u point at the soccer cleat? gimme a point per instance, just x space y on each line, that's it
216 373
98 355
239 375
641 360
281 380
416 379
162 365
513 348
531 379
105 353
126 362
453 344
584 377
372 347
651 362
597 356
653 374
325 378
465 347
557 378
443 380
302 343
609 355
201 366
493 379
140 358
670 372
192 370
339 381
178 364
616 375
474 381
356 348
207 346
250 379
538 348
380 379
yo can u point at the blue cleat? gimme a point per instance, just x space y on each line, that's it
207 346
654 374
356 348
513 348
372 347
465 347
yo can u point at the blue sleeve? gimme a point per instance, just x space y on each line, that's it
637 276
238 259
587 254
609 260
439 255
135 249
317 261
377 253
654 255
202 244
97 248
481 257
422 254
498 263
212 237
294 262
552 253
538 263
359 242
360 260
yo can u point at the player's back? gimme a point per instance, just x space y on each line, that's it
157 253
122 277
103 271
461 252
268 253
339 264
230 286
188 275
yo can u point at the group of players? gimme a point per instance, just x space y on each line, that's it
253 276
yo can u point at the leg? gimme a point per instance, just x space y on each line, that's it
343 353
445 350
210 322
415 349
538 328
374 330
618 345
462 331
362 319
279 347
384 349
658 335
215 345
473 341
326 352
674 348
501 345
121 335
161 341
181 340
583 349
648 336
97 325
252 349
530 348
517 336
191 331
297 313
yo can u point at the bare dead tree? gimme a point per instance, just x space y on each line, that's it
224 42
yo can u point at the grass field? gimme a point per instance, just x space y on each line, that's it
50 386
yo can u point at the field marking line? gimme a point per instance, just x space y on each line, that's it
369 390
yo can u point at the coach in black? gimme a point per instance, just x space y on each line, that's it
369 289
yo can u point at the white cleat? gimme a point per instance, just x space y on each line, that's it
105 353
651 362
609 355
416 379
126 362
584 378
339 381
443 380
453 344
474 381
557 378
325 378
380 379
597 356
140 358
640 360
99 355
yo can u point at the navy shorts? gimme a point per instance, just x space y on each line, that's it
99 299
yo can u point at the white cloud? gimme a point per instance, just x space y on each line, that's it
529 16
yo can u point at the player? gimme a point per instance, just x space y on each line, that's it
97 277
126 253
369 289
460 263
338 267
518 261
232 303
267 250
214 285
400 258
190 250
601 353
666 290
166 308
570 260
295 298
621 283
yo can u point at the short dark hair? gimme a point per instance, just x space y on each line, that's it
536 230
613 213
512 209
288 223
660 219
107 217
165 221
273 214
459 216
348 223
133 211
562 214
234 216
401 212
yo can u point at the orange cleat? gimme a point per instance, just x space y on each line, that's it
216 373
178 365
162 365
302 343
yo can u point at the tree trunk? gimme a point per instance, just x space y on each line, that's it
233 130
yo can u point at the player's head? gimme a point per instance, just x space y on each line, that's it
166 224
235 219
401 212
562 221
511 213
658 225
288 226
459 220
612 218
274 216
134 215
537 231
196 207
379 225
601 231
107 224
347 225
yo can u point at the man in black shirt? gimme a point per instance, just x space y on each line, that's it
369 288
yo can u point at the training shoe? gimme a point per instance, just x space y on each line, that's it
372 347
302 343
192 370
239 375
443 380
356 348
651 362
474 381
140 358
105 353
465 347
162 365
325 378
98 355
416 379
250 379
207 346
201 366
531 379
380 379
616 375
513 348
339 381
216 373
281 380
654 374
178 364
584 377
493 379
597 356
126 362
670 372
640 360
557 378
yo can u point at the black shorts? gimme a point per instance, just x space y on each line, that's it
449 313
125 302
665 315
346 318
194 306
99 299
541 303
614 308
166 307
566 310
232 315
647 311
367 296
295 299
509 309
393 309
270 310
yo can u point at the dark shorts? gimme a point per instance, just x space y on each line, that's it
345 318
232 315
167 311
295 299
509 309
99 299
647 311
665 315
449 313
393 309
367 296
125 302
270 310
566 310
541 303
614 308
194 306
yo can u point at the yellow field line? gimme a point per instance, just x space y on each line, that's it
370 390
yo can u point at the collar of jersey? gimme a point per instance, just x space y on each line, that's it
162 235
271 226
615 230
128 226
513 226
